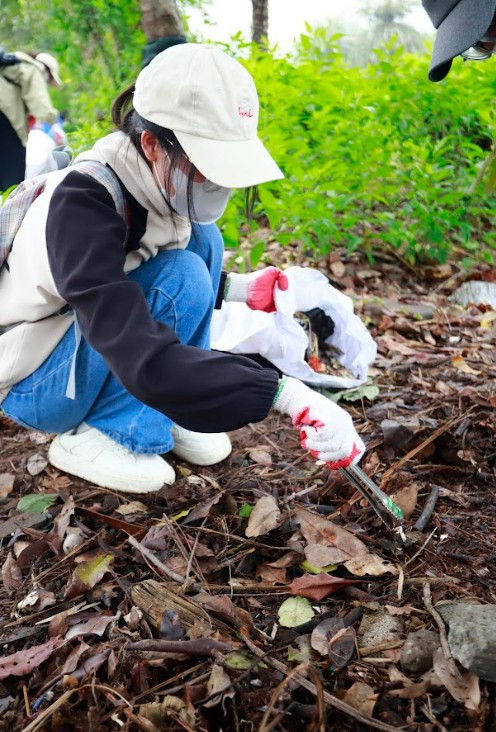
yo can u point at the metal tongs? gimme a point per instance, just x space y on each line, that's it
385 508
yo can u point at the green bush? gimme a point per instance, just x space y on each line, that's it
375 157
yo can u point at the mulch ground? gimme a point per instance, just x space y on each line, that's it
163 612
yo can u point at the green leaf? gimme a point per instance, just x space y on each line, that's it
245 510
312 569
361 392
366 391
91 572
256 253
241 660
36 502
295 611
181 514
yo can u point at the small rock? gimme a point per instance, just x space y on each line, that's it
379 627
472 636
475 292
416 654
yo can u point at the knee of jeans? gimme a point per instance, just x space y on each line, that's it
188 282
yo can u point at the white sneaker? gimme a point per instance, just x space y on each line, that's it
200 448
89 454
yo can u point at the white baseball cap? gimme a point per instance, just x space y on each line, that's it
52 65
210 102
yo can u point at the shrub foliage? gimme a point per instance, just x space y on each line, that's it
374 157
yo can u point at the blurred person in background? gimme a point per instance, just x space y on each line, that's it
24 97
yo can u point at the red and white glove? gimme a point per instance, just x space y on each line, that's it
256 289
326 430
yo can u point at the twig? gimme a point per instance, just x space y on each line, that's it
386 646
328 698
26 700
421 548
47 713
188 555
420 581
192 556
150 556
425 709
293 674
429 507
167 683
412 453
197 647
486 163
452 667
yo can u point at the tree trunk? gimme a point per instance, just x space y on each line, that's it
160 18
260 21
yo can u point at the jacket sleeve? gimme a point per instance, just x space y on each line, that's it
200 390
34 92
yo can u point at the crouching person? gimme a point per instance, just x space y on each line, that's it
106 304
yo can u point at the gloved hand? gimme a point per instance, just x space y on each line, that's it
325 429
256 289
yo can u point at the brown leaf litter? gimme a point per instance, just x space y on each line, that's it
162 613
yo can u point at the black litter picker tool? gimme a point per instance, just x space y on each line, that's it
385 508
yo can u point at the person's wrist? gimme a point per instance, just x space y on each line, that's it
236 288
291 396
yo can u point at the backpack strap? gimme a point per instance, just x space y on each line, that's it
19 200
14 209
104 175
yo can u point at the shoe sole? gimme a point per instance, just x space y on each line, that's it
63 460
205 458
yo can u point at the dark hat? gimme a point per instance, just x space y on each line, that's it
460 24
155 47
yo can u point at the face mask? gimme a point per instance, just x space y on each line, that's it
209 200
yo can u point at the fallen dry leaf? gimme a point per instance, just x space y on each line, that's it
264 517
362 697
6 484
23 662
295 611
71 662
88 574
260 455
323 632
406 499
218 683
132 508
62 521
342 647
38 599
93 626
460 363
160 713
268 573
36 464
20 522
11 573
464 686
328 543
370 564
318 586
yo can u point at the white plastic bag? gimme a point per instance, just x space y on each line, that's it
39 157
282 341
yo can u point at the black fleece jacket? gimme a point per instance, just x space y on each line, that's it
87 244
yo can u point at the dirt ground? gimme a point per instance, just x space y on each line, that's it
163 612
